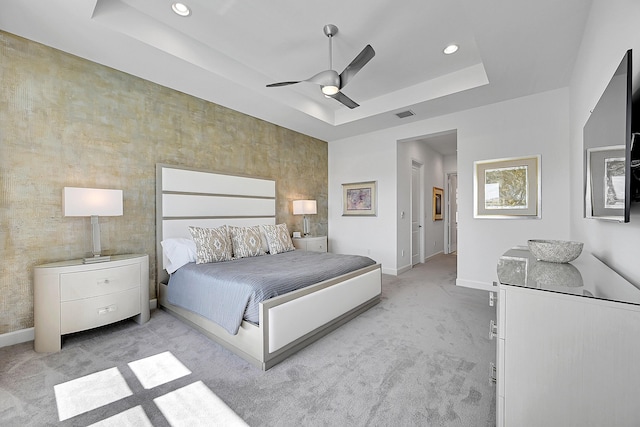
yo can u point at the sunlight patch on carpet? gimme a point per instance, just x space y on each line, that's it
196 405
84 394
159 369
134 417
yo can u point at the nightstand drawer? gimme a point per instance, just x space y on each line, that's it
87 284
318 245
89 313
315 244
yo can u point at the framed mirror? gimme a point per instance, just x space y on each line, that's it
607 147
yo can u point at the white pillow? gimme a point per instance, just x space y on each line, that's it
179 251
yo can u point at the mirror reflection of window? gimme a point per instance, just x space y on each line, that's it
614 183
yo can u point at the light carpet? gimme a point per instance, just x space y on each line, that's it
420 357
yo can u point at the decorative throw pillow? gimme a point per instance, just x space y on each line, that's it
246 241
212 244
263 238
278 238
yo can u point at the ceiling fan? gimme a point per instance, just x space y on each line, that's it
329 80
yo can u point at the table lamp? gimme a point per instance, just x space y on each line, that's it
93 202
305 207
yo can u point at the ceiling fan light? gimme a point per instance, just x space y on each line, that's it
181 9
452 48
330 90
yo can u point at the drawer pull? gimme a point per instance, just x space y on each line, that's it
108 309
493 330
105 281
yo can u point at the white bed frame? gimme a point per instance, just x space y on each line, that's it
288 322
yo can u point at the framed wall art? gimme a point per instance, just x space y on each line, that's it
359 199
507 188
437 203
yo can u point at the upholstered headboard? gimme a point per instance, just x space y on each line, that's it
201 198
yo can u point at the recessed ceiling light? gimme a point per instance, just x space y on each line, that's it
181 9
452 48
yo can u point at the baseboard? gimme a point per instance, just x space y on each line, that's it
28 334
390 271
403 269
16 337
432 255
396 271
476 285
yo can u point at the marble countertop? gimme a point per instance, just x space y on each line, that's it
586 276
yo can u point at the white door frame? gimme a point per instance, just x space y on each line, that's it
448 222
420 169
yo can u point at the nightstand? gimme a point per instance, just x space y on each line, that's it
316 244
70 296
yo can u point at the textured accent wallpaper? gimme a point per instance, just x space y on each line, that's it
66 121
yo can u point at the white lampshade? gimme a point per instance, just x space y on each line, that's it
304 207
91 202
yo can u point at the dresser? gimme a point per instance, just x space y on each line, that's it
70 296
568 343
316 244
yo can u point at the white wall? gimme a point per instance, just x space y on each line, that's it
537 124
450 164
534 125
363 159
612 28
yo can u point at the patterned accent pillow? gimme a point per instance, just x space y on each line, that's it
212 244
278 238
265 243
246 241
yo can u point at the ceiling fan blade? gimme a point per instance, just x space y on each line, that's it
281 84
323 78
356 65
344 99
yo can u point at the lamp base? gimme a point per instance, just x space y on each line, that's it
94 259
305 226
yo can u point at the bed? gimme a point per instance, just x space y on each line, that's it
285 323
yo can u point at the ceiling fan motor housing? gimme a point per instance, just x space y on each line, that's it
330 30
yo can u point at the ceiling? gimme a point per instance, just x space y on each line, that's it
227 51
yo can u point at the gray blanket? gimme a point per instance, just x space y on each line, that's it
228 292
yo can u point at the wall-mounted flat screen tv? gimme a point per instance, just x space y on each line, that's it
607 139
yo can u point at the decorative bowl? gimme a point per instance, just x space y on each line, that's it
560 251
